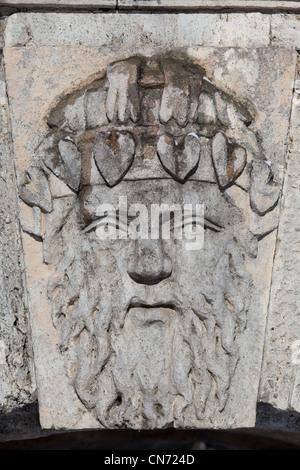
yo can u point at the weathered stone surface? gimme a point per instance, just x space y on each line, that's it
207 4
144 333
280 376
285 30
95 109
135 31
111 4
35 190
122 100
113 153
157 4
180 160
71 161
16 33
17 379
264 191
174 108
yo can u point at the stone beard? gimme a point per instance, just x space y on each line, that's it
152 353
150 331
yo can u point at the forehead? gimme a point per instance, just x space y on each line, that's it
217 207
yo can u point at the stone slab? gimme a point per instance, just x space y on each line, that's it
189 5
135 31
208 4
280 374
97 4
285 30
58 67
17 379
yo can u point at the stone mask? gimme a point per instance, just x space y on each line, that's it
151 332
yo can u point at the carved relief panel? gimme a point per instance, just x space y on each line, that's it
141 332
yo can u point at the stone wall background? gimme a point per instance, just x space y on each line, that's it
236 23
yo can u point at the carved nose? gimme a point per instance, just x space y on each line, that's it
149 264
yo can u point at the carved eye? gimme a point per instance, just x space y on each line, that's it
107 220
198 221
178 223
110 220
167 219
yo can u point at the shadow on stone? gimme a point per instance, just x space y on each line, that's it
21 423
268 417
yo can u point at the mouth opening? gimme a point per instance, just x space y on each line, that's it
140 304
146 315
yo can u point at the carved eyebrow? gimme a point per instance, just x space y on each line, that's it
108 220
191 219
112 221
207 223
213 225
90 226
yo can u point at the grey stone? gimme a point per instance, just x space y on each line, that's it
74 115
111 4
31 223
165 31
95 108
285 30
208 4
35 191
16 33
264 191
17 375
148 333
113 153
122 100
280 372
157 4
71 160
179 159
220 157
228 163
207 109
180 97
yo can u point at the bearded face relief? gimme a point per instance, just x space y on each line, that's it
151 329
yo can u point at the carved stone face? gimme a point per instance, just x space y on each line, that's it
151 331
165 309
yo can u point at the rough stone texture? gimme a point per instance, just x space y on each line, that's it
136 31
280 375
285 30
16 368
157 108
111 4
193 5
195 123
207 4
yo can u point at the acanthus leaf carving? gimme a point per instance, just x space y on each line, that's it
228 162
122 98
71 159
35 191
181 93
264 191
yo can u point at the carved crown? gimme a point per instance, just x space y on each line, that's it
151 117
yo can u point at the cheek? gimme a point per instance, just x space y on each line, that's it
198 263
106 259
